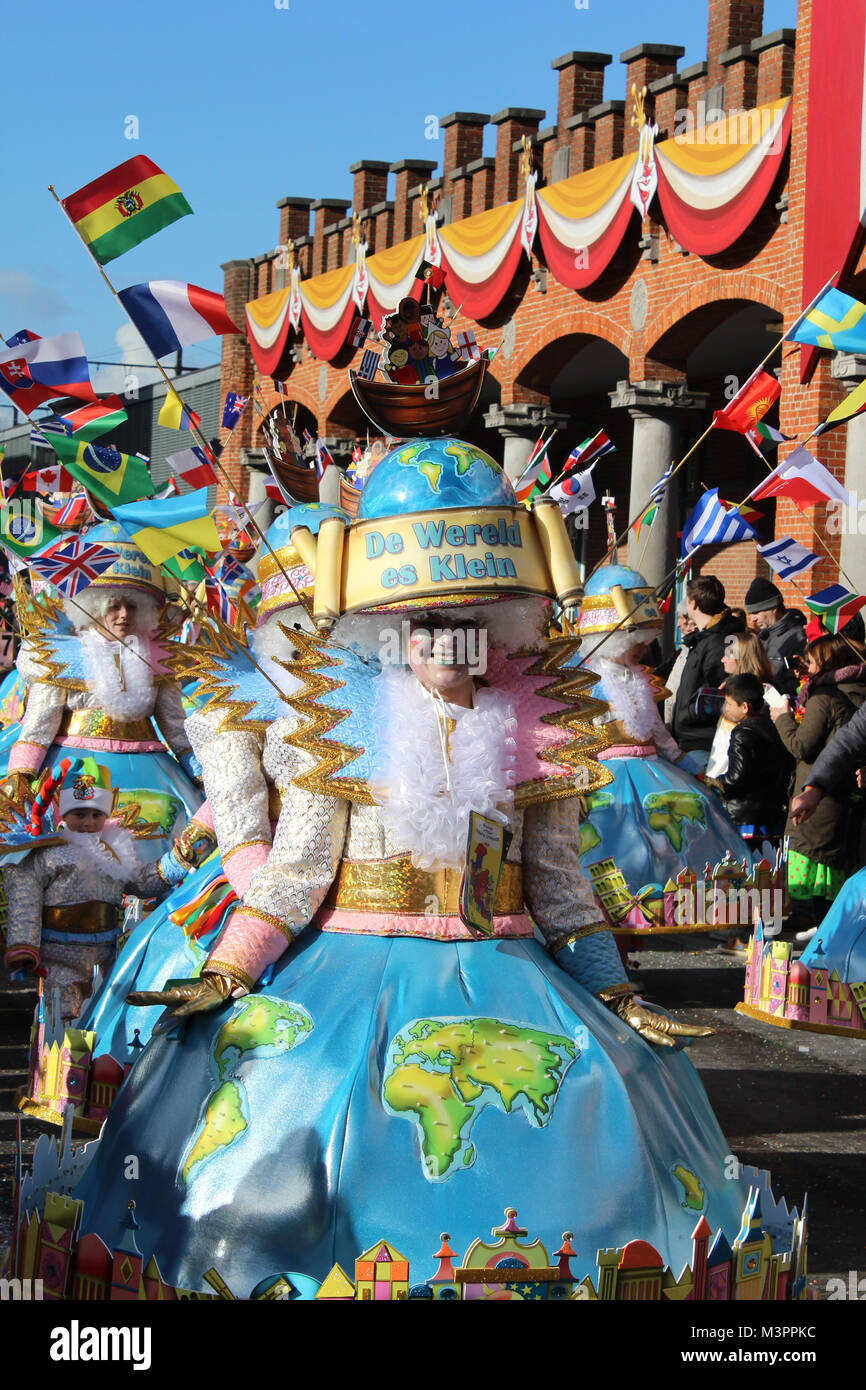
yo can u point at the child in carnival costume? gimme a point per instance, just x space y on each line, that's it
66 877
287 1110
655 818
98 689
241 719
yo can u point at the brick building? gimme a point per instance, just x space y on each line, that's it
645 349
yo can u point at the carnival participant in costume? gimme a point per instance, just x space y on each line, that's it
382 985
655 819
64 894
242 718
98 690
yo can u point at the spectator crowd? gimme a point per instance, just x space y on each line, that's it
773 710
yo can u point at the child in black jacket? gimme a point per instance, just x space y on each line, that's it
755 787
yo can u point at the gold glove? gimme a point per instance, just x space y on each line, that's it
656 1028
183 1000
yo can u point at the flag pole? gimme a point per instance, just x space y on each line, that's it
685 458
302 599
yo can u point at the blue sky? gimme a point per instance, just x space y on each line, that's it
242 103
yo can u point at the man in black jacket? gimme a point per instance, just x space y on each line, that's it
705 602
782 630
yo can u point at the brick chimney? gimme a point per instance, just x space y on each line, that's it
775 64
609 120
581 130
236 369
730 23
645 63
581 84
483 174
741 77
370 182
294 218
326 211
464 136
408 173
511 123
669 95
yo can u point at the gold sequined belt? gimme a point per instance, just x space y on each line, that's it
397 886
81 918
95 723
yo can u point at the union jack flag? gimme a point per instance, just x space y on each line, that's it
72 565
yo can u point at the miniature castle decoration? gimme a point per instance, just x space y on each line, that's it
766 1261
788 994
728 894
64 1073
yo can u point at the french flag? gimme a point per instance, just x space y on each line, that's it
170 314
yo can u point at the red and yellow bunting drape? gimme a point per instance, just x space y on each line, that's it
711 183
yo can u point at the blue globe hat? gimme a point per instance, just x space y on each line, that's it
425 474
617 596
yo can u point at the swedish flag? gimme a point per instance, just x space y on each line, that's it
834 321
110 476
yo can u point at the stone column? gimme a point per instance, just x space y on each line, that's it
519 425
850 369
656 407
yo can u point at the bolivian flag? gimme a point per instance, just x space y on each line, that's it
166 525
109 475
124 206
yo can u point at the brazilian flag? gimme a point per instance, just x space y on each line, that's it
187 565
23 529
111 477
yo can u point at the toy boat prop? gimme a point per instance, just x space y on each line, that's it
408 411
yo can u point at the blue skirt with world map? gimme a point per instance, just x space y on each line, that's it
653 821
394 1088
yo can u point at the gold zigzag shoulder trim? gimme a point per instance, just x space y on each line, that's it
582 772
205 661
570 687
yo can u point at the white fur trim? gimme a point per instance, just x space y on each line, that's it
126 693
111 852
270 646
629 696
422 813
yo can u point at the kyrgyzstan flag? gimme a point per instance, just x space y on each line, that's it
170 314
802 478
750 404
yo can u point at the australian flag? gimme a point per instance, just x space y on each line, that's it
233 409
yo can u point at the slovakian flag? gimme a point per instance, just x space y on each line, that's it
711 522
174 415
127 205
750 404
72 565
42 368
89 421
786 557
835 606
193 467
162 528
802 478
233 409
170 314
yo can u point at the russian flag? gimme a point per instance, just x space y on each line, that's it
170 314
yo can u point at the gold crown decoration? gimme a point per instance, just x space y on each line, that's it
638 113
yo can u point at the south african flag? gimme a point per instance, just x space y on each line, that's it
123 207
